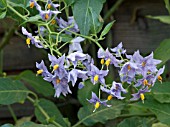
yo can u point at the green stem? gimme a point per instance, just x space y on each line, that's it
63 45
113 9
1 61
12 113
12 9
35 102
87 37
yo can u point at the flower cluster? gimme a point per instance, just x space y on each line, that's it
134 70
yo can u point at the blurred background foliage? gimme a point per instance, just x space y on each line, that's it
142 25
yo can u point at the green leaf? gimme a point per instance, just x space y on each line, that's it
88 117
31 124
69 2
163 51
161 92
12 91
107 29
65 37
97 22
51 109
162 18
40 86
33 19
21 3
134 122
162 111
89 12
7 125
2 14
167 5
23 120
3 4
159 125
86 92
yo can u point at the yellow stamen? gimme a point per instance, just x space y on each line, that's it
142 97
109 97
39 72
159 78
49 6
129 68
28 41
31 4
97 105
46 16
108 62
143 64
102 61
53 22
96 78
145 82
55 67
57 81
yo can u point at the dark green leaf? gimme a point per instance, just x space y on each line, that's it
161 92
12 91
51 109
88 117
163 51
134 122
65 37
89 12
69 2
167 5
107 29
40 86
97 22
162 18
31 124
3 4
86 92
7 125
162 111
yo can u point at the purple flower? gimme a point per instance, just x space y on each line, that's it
75 45
42 69
87 62
115 90
97 102
30 39
58 65
140 94
74 74
97 75
46 15
128 71
108 57
71 22
145 64
145 81
158 75
75 57
34 3
51 4
60 84
118 50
